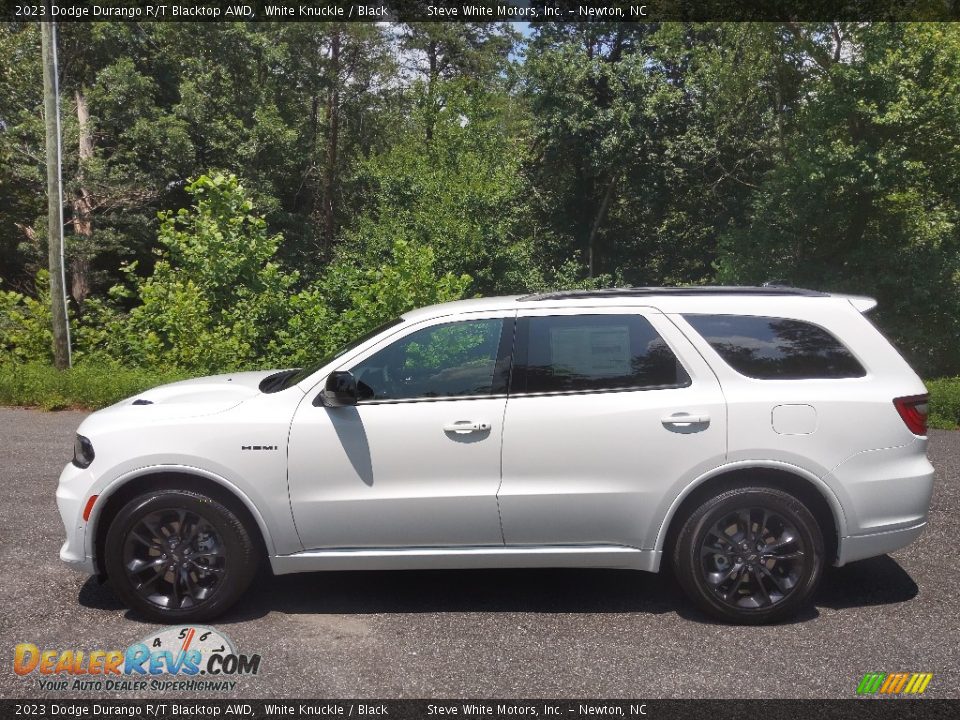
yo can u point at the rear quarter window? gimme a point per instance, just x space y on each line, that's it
770 348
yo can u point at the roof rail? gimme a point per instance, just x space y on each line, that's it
688 290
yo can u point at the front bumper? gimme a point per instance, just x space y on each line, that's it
82 563
72 494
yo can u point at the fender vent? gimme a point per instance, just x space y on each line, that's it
141 401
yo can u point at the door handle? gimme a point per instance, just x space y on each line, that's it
683 419
466 426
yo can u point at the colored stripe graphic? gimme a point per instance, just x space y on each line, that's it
901 681
927 677
870 683
894 683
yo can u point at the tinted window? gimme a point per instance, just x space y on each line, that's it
593 352
774 348
450 360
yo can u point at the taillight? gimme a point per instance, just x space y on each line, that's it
913 410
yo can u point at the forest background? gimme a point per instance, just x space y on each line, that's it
252 195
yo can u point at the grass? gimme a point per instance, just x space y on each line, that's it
95 386
87 387
944 403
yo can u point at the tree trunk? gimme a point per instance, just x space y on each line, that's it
82 209
51 118
433 59
592 254
333 133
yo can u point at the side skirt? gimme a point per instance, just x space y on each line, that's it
451 558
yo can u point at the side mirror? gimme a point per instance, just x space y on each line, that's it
340 390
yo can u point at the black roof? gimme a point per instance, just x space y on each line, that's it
690 290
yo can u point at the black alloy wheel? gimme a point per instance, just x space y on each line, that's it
174 558
177 555
750 555
752 558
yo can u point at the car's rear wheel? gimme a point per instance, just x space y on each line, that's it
750 555
178 556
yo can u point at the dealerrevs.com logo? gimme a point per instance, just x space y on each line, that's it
191 657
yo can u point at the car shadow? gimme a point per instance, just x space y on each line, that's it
425 591
877 581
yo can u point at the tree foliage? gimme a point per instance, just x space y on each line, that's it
868 198
397 165
218 300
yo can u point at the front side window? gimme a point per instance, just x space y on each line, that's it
460 359
583 353
769 348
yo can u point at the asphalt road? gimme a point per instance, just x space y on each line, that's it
496 633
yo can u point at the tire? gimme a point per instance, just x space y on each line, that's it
210 552
739 572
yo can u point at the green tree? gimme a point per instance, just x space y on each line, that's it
867 198
352 299
460 193
591 92
216 295
25 324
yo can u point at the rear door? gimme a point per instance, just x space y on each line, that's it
610 413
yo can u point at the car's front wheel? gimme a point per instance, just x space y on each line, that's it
750 555
179 556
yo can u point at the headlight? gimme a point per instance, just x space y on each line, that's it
82 452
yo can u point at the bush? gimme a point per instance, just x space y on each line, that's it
216 295
85 386
25 326
944 403
218 300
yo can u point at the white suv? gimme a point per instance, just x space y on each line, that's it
745 436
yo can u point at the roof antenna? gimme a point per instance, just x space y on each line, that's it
776 283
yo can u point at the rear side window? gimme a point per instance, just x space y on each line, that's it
769 348
582 353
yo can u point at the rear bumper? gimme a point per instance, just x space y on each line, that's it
884 490
885 494
859 547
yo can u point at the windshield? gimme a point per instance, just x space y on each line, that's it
303 373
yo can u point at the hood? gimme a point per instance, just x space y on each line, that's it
192 398
176 402
222 390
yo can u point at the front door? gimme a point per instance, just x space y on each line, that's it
416 463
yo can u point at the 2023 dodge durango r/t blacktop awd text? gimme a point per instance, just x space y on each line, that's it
745 436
